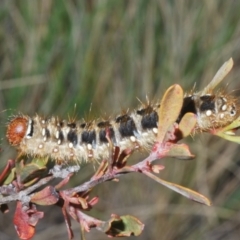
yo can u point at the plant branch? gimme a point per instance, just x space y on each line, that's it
23 195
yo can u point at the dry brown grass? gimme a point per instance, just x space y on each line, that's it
57 53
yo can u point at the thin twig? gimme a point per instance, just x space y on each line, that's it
24 193
118 173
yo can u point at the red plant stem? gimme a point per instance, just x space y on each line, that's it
158 152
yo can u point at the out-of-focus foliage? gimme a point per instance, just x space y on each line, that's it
54 54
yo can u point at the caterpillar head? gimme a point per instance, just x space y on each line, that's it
16 130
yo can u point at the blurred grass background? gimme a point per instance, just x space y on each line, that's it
101 55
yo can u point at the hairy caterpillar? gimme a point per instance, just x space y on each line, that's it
83 141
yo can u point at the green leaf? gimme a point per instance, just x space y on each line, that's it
195 196
122 226
41 162
169 110
228 132
219 76
31 171
10 177
47 196
180 151
187 124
